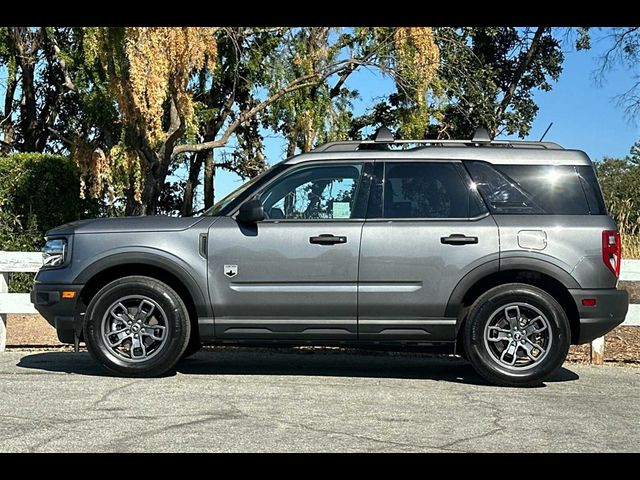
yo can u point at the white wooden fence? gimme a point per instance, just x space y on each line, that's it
15 302
31 262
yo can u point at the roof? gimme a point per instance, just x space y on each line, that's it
480 147
498 156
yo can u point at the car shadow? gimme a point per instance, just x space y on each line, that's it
301 362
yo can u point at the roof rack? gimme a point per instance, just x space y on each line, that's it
384 140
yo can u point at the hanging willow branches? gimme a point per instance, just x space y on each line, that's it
133 105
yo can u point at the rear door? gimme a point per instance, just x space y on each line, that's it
426 229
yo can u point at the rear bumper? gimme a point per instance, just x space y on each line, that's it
609 312
59 312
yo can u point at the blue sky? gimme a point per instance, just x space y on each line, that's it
584 113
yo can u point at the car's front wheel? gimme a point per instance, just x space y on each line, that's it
516 335
137 327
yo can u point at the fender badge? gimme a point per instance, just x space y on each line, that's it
230 270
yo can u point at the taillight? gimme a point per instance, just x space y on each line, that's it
612 251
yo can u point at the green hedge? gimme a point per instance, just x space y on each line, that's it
37 192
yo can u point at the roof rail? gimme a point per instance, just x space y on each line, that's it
384 140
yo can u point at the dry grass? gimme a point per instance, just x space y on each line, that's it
623 212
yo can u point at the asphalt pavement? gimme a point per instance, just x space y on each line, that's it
236 400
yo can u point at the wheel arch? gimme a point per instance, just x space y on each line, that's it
168 271
538 273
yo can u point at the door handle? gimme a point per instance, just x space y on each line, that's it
458 239
327 239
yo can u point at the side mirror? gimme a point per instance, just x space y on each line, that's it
250 212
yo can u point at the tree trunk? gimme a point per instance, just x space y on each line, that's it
209 178
6 121
154 178
195 166
28 110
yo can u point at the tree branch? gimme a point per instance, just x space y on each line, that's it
63 65
176 129
308 80
60 136
522 68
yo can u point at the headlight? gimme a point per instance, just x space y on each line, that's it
53 252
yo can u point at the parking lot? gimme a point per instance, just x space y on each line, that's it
322 400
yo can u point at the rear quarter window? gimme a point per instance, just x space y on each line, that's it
538 189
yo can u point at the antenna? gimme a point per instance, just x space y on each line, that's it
481 136
384 135
545 132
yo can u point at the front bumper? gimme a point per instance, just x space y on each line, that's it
59 312
609 312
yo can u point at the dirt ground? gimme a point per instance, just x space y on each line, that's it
622 345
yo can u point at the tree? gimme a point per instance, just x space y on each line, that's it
150 70
35 87
317 113
620 182
222 93
132 105
486 77
624 51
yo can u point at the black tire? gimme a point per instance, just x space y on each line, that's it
487 364
178 326
193 346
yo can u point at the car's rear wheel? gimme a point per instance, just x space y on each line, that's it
516 335
137 327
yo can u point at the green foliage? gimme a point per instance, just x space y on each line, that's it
37 192
314 114
620 182
486 78
449 81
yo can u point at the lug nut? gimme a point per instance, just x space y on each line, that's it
135 336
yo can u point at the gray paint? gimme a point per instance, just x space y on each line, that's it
285 285
574 244
498 156
406 252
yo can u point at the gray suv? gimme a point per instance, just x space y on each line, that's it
498 251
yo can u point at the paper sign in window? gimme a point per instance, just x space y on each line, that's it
341 210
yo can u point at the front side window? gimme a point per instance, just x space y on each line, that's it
223 206
317 192
427 190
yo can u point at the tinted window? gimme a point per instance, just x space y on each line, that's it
530 189
592 190
314 193
228 203
427 190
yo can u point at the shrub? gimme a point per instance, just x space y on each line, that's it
620 182
37 192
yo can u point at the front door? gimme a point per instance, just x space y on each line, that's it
293 275
428 228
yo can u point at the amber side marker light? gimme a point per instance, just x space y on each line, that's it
589 302
68 294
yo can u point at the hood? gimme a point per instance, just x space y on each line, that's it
150 223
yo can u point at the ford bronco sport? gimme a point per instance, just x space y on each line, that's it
499 251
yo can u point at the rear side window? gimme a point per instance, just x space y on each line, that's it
427 190
533 189
592 190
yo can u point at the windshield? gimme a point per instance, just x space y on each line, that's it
221 205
